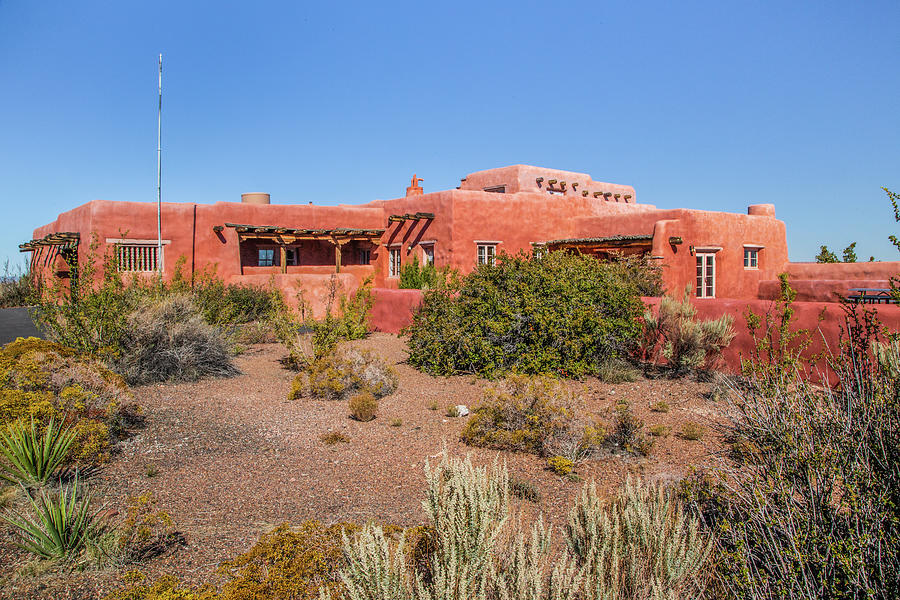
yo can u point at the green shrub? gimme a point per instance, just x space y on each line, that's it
660 430
692 431
308 340
168 340
61 526
414 276
560 465
342 374
686 343
363 406
521 414
231 304
90 313
777 356
660 407
34 458
398 422
452 411
559 314
641 272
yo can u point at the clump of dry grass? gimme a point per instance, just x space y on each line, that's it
334 437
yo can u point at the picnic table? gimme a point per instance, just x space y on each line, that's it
872 296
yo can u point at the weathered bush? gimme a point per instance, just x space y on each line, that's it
639 546
42 380
308 340
523 414
686 343
627 434
16 288
343 373
168 340
811 505
558 314
287 563
363 406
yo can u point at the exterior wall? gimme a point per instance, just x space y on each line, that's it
515 220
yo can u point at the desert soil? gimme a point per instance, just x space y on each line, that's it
233 458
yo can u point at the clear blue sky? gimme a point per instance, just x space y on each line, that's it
711 105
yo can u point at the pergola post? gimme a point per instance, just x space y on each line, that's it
337 253
283 250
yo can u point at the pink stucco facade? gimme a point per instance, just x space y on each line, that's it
512 208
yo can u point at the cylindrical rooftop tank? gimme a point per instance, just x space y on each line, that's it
255 198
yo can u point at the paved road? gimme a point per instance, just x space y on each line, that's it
16 322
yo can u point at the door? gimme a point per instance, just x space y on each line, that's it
706 275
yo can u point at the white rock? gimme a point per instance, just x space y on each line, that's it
462 410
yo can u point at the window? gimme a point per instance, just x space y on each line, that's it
706 275
292 257
137 258
487 254
394 263
427 255
751 258
365 256
266 257
497 189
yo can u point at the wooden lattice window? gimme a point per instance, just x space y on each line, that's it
138 258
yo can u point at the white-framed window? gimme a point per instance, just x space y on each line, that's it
394 263
706 275
364 255
265 257
137 258
428 254
487 254
751 258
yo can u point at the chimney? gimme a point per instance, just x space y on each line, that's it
255 198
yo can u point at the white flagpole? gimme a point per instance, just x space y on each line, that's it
159 175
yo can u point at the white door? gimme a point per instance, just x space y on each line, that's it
706 275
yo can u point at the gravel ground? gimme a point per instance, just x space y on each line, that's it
233 458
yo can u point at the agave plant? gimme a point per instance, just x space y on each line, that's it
63 524
34 457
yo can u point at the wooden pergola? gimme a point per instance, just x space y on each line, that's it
410 217
62 238
63 242
604 246
284 236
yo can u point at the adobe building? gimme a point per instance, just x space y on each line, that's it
504 210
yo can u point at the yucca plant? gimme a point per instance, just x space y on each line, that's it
34 457
62 525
